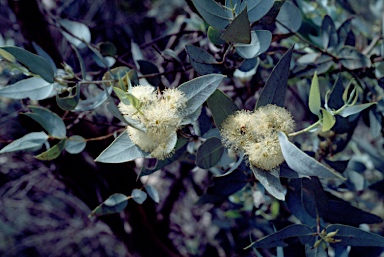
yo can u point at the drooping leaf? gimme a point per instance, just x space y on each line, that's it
270 182
260 42
40 51
120 150
289 18
257 8
214 35
148 68
33 88
50 121
329 120
277 238
34 63
354 236
30 142
276 86
198 90
70 102
239 31
329 34
214 14
350 110
93 102
301 162
313 197
53 152
221 107
81 62
351 59
138 196
80 32
153 193
314 96
114 204
209 153
75 144
202 61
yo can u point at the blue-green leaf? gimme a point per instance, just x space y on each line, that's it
153 193
329 34
93 102
209 153
352 59
221 107
120 150
50 121
69 102
80 30
75 144
139 196
214 14
260 42
289 18
350 110
270 182
202 61
301 162
53 152
257 8
33 62
198 90
33 88
314 96
30 142
239 31
114 204
214 35
354 236
276 86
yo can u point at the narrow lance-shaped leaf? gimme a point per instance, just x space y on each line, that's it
53 152
114 204
350 110
221 107
354 236
239 31
314 96
270 182
33 88
31 141
301 162
209 153
276 85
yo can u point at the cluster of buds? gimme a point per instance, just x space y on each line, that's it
160 116
255 134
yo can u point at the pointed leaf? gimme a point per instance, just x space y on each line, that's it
120 150
198 90
75 144
239 31
351 59
328 120
329 34
203 62
33 88
50 121
314 96
53 152
214 14
31 141
343 32
350 110
354 236
139 196
270 182
221 107
289 18
114 204
276 85
153 193
301 162
209 153
33 62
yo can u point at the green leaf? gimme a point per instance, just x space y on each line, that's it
328 33
120 150
214 14
257 8
114 204
7 56
198 90
214 35
314 96
239 31
50 121
277 239
107 49
122 95
75 144
301 162
33 88
351 59
139 196
289 18
153 193
209 153
221 107
354 236
79 30
30 142
202 61
276 86
40 51
53 152
350 110
329 120
148 68
260 42
270 182
68 103
33 62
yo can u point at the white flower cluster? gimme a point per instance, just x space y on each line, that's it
160 115
255 134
